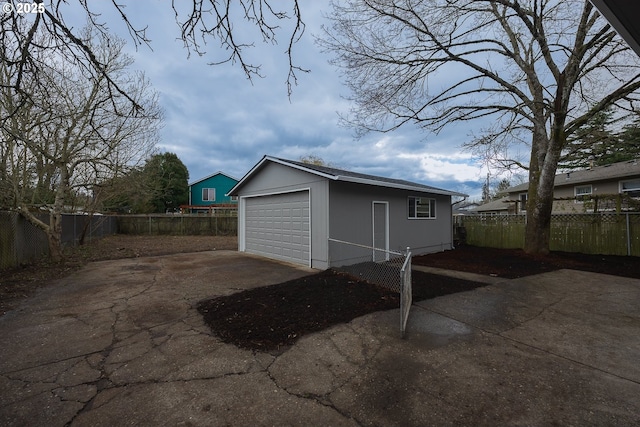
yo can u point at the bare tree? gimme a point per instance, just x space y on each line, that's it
71 131
535 70
199 23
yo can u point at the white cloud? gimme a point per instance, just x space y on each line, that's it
217 120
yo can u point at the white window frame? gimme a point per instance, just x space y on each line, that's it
581 197
423 201
632 189
209 191
522 198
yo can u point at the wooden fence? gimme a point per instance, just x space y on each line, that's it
599 233
23 243
183 225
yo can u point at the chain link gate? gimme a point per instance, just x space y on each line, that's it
390 269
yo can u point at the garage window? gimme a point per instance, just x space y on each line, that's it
422 207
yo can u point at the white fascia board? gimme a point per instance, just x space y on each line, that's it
279 161
247 176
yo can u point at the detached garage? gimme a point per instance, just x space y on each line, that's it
288 210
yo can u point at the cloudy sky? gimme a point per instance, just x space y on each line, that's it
217 120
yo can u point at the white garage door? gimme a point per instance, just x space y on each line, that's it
277 226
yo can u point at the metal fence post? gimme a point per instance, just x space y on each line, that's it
406 292
628 235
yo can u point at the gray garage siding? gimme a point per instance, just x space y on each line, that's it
274 178
349 201
340 206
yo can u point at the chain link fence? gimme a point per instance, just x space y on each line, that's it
382 267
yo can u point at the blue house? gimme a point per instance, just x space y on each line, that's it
210 192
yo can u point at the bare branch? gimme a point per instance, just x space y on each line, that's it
218 20
537 69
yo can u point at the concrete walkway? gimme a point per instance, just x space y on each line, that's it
119 343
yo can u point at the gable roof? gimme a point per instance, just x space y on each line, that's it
619 170
343 175
211 176
501 204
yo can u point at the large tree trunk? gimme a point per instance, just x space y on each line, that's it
545 155
542 171
53 230
539 206
54 235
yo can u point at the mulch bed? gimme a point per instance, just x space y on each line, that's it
274 317
514 263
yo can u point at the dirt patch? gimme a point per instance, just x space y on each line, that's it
19 283
274 317
514 263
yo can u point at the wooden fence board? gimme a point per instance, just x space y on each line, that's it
189 225
599 233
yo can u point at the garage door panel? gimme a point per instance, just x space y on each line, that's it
278 226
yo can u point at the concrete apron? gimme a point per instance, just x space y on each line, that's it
119 342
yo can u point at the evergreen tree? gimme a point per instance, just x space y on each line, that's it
629 147
503 185
597 145
167 179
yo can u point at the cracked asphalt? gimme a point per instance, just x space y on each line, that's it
120 343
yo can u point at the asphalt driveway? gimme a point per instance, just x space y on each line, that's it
120 343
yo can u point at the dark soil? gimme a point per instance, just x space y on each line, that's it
274 317
513 263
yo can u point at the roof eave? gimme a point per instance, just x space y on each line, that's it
400 186
258 166
211 176
243 180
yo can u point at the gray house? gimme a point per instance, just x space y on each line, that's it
577 191
288 210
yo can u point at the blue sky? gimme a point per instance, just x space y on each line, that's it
217 120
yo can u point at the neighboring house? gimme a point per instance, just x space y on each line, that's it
501 206
600 188
211 191
288 210
464 207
